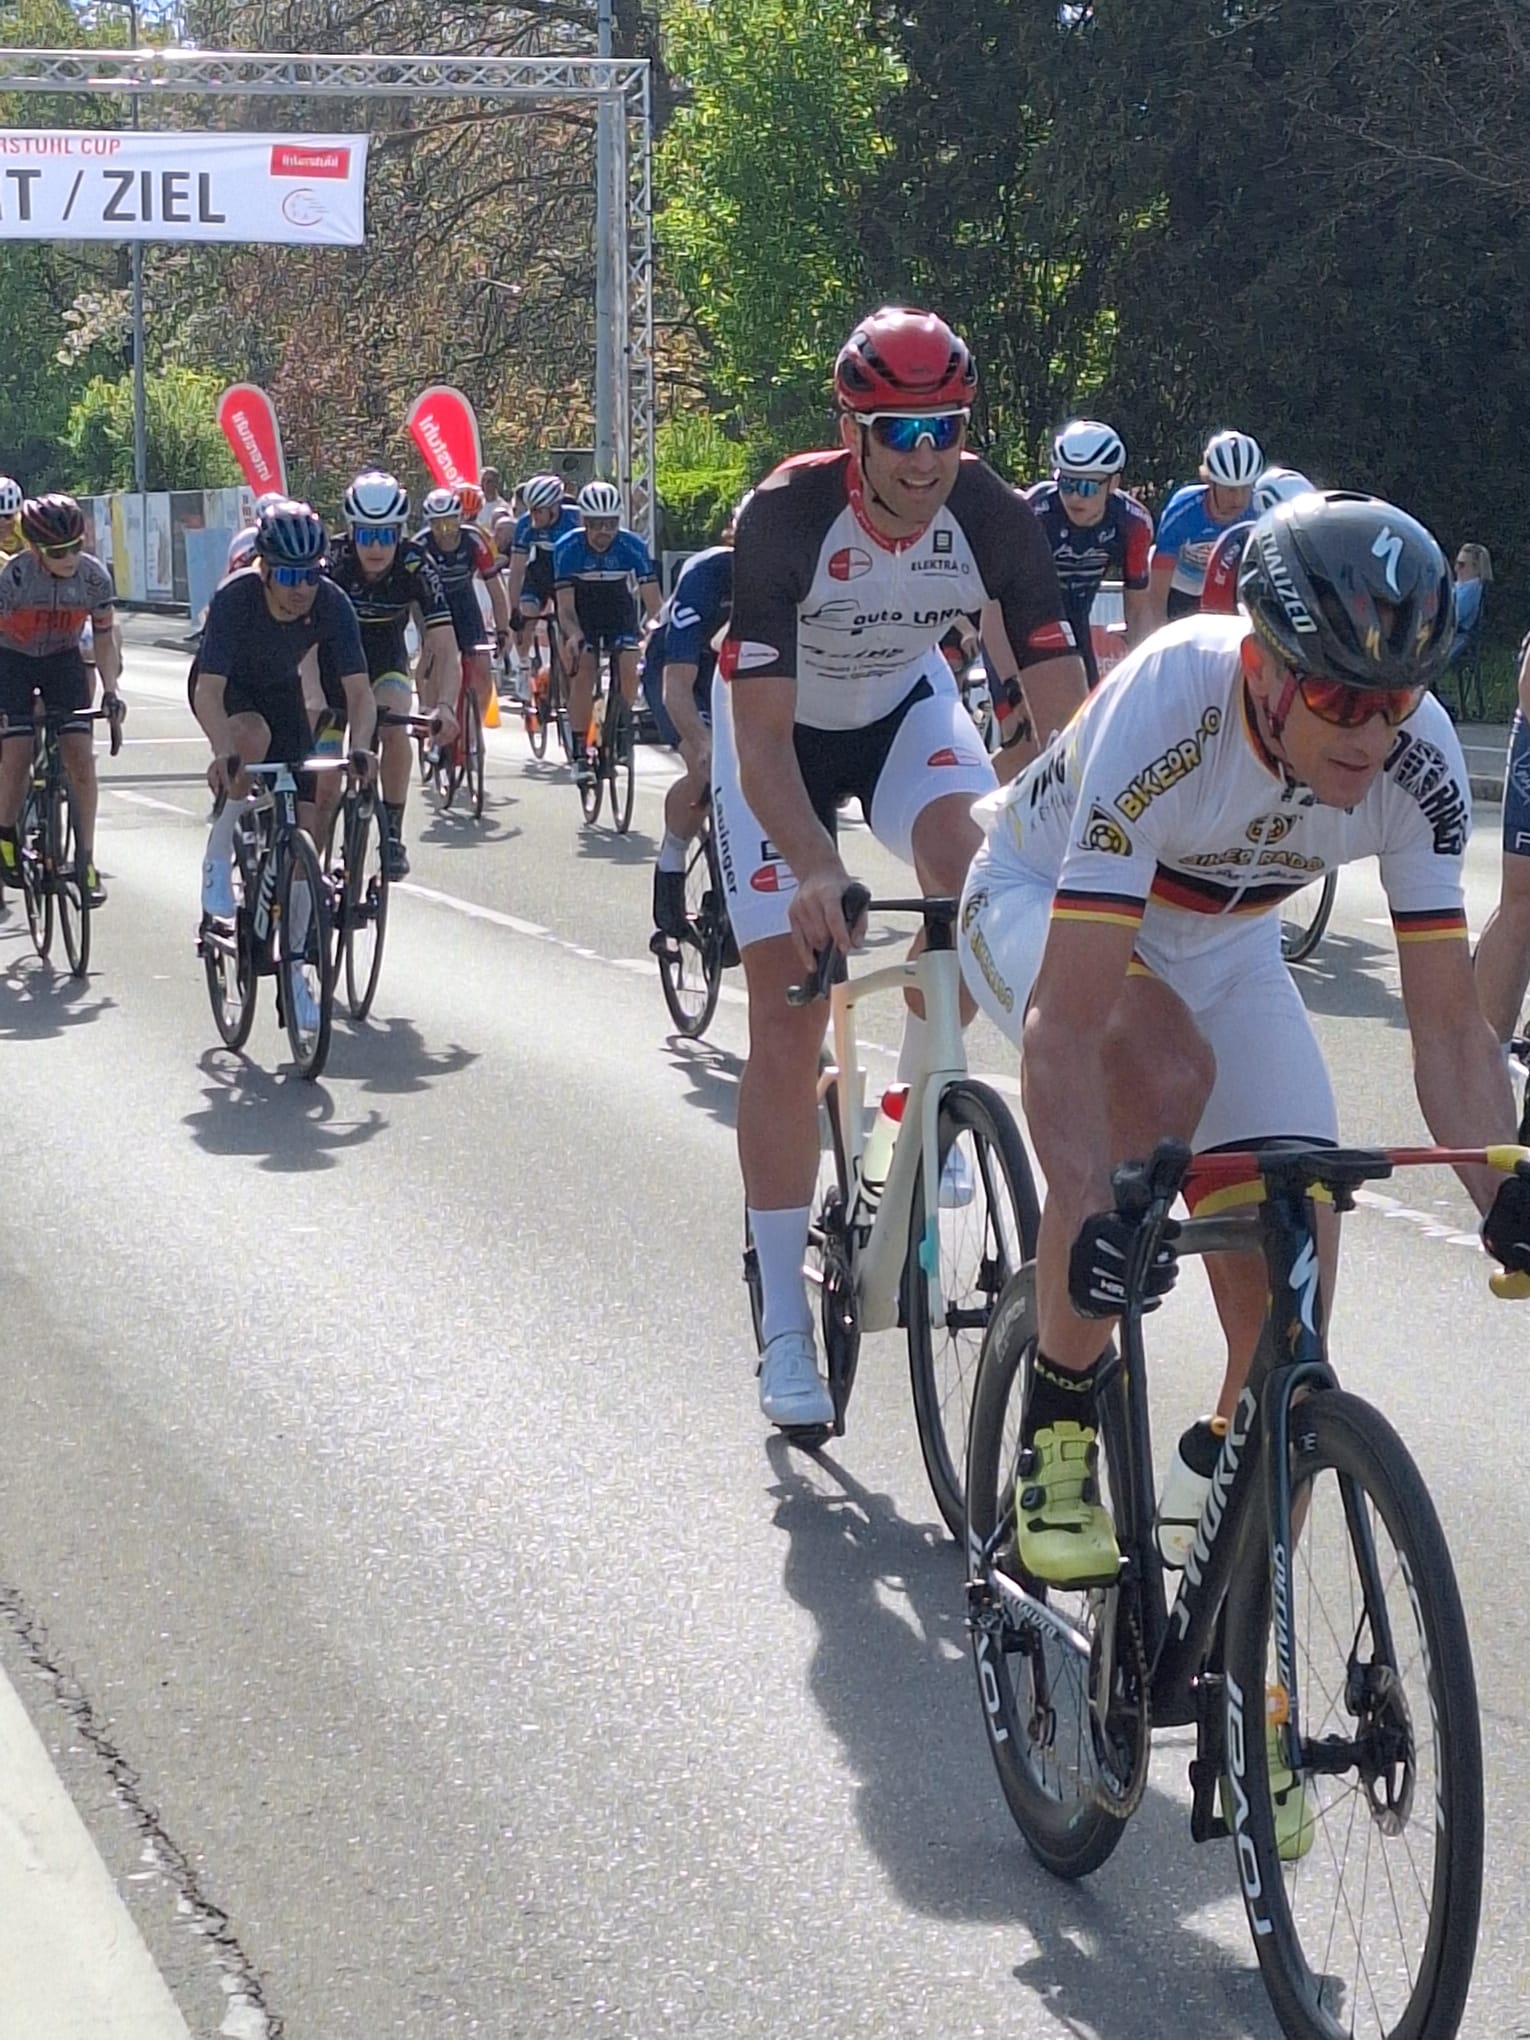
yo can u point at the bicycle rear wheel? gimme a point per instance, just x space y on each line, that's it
590 795
1370 1931
984 1231
617 750
74 909
537 716
1062 1780
364 905
473 748
228 960
36 881
1304 918
305 956
691 964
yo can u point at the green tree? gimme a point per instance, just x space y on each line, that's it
185 448
763 177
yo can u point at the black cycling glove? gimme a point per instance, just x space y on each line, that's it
1098 1262
1506 1229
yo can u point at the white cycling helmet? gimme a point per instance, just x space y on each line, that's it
11 496
1279 485
1086 447
1232 460
542 492
442 503
263 502
600 499
376 498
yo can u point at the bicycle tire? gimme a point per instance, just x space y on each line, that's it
36 886
1298 938
300 867
426 750
591 795
74 908
1340 1433
1072 1837
691 964
537 714
364 905
474 748
973 1108
618 748
229 965
449 764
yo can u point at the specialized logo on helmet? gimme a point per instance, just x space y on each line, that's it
1297 613
849 563
1103 832
1389 547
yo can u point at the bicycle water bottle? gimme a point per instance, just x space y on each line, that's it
1185 1490
876 1157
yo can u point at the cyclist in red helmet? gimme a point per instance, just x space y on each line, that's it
849 568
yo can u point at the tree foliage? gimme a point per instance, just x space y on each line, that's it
184 447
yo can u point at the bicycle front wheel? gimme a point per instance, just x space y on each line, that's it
74 908
621 770
691 963
305 956
1364 1894
364 905
538 714
473 755
1304 918
984 1230
36 880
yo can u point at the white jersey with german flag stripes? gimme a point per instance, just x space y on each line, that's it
1159 806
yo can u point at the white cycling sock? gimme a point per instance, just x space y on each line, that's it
672 852
911 1054
780 1242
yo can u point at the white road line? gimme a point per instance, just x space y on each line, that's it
167 807
73 1965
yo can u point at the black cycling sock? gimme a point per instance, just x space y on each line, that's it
393 812
1057 1397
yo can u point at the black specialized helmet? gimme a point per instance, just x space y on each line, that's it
1350 588
290 534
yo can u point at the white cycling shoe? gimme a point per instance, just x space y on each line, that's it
792 1391
958 1185
217 890
305 1007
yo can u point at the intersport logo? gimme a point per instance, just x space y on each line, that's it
287 161
849 563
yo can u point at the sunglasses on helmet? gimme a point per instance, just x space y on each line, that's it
63 551
1078 485
1351 708
376 534
295 577
901 431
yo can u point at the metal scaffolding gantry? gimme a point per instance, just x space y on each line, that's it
618 82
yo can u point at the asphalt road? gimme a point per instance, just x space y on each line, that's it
398 1567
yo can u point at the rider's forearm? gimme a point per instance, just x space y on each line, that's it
361 710
1465 1096
771 782
1053 690
568 617
680 705
108 657
517 577
498 604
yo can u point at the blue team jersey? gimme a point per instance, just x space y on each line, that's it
625 561
538 541
1188 534
700 606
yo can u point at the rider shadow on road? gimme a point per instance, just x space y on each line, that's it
713 1074
457 829
892 1676
390 1056
38 1002
1353 980
275 1118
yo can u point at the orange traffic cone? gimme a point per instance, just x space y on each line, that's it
491 713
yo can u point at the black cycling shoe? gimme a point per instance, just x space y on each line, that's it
395 859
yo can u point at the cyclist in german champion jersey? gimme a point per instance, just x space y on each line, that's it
462 557
848 568
1121 924
48 593
1094 529
1195 517
595 572
246 688
1219 588
390 577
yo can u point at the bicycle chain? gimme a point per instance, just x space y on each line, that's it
1122 1805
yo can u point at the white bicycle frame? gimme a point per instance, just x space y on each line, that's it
881 1245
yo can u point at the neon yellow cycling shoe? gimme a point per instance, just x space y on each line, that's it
1065 1535
1295 1821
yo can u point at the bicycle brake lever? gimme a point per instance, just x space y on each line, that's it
829 966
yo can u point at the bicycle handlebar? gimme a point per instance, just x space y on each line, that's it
829 966
64 720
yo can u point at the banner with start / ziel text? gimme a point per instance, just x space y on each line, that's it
103 185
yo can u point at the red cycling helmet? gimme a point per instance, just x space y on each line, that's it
900 359
51 520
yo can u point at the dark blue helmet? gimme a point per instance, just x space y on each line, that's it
290 534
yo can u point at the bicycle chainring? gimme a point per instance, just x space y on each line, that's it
1116 1794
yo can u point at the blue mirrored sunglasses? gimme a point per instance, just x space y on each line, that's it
1078 485
901 431
296 577
376 534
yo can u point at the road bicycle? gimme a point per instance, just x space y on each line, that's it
1316 1633
691 964
281 925
52 869
356 868
1304 917
614 763
932 1246
447 768
548 706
